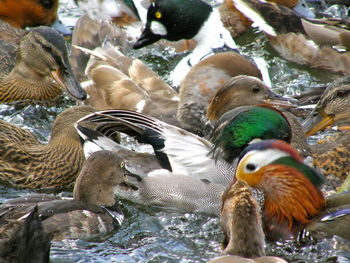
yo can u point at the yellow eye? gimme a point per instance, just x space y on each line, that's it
158 15
122 165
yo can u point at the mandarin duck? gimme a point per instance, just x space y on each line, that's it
292 195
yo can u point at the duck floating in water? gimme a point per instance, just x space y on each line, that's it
242 227
291 189
171 161
301 40
27 163
41 59
93 213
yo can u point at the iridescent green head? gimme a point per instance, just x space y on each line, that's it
237 128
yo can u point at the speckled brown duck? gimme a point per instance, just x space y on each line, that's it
318 43
244 238
333 153
27 163
92 213
40 71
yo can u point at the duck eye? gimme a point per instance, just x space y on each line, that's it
122 165
255 89
158 15
47 3
342 93
250 167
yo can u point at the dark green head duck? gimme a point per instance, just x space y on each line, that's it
237 128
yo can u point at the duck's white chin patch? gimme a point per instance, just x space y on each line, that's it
158 28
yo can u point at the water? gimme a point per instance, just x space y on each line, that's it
151 234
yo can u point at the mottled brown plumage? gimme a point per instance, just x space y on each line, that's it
93 213
332 154
41 58
27 163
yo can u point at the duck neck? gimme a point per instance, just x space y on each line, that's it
242 225
25 84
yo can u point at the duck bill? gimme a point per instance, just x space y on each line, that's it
146 38
318 123
277 100
61 28
68 83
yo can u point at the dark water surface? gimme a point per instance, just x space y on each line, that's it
151 234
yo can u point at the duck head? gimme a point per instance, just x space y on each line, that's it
244 90
43 52
102 172
291 188
332 108
237 128
173 20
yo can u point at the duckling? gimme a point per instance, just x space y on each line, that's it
196 180
27 163
92 213
301 40
242 227
331 154
25 240
291 188
42 57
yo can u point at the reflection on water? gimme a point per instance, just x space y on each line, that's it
152 234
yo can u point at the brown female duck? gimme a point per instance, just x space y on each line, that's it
27 163
332 155
312 42
24 240
42 57
93 213
242 226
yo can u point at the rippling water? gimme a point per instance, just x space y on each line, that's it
151 234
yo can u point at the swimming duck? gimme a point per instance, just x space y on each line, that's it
242 227
25 240
92 213
42 57
301 40
27 163
331 154
119 82
171 164
291 188
15 16
178 19
203 80
248 90
334 220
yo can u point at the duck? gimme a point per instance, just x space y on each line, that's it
42 70
93 213
16 16
163 22
24 240
169 162
247 90
27 163
317 43
292 195
241 223
334 220
331 153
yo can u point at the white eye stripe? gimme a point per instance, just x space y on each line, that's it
158 29
254 160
